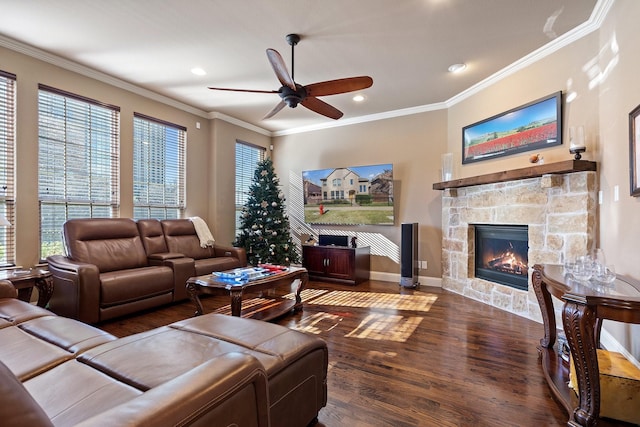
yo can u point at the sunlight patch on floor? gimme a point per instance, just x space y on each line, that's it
307 294
379 326
375 300
317 323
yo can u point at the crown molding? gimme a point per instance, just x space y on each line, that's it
363 119
238 122
599 13
96 75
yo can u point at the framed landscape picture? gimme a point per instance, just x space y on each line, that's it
532 126
634 151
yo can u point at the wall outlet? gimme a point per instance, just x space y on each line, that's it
422 265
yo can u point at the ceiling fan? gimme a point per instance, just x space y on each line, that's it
293 93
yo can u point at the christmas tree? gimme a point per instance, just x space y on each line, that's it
264 231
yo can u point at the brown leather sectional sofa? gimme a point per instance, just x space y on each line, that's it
211 370
118 266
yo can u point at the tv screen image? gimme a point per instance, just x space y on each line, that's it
356 195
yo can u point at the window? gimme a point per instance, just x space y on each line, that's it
247 158
158 168
7 144
78 158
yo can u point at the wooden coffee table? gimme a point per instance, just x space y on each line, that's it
212 285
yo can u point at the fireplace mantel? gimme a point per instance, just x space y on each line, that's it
564 167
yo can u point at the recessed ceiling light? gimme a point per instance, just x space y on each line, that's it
358 98
198 71
456 68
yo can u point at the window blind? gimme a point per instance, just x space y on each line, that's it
158 168
247 158
78 158
7 148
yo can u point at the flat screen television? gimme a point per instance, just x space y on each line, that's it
355 195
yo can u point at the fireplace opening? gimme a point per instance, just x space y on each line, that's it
501 254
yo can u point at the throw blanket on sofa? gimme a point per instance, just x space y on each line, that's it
203 232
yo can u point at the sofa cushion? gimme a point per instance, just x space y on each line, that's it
152 236
18 408
73 392
150 358
16 311
221 263
118 287
68 334
272 344
109 243
26 355
181 237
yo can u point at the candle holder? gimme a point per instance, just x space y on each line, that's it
576 151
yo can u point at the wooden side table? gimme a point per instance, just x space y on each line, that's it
24 281
586 305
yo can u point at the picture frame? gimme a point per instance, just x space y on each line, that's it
532 126
634 151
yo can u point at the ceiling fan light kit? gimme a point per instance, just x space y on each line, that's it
292 93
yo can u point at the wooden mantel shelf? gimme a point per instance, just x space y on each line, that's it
567 166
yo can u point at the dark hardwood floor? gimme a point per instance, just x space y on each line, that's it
401 357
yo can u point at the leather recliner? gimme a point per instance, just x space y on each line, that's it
117 266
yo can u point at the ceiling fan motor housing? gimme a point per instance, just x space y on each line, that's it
293 97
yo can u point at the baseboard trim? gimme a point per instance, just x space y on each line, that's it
395 277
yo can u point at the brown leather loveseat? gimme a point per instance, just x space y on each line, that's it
212 370
117 266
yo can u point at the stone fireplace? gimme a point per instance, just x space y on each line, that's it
557 205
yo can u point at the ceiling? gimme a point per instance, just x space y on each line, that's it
405 46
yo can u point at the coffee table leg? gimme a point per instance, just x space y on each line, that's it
236 302
302 284
194 295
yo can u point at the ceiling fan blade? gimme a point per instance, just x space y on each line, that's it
275 109
244 90
279 67
333 87
321 107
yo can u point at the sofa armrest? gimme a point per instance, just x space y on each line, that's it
231 251
76 289
228 390
183 268
154 258
7 290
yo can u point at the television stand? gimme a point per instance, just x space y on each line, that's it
337 263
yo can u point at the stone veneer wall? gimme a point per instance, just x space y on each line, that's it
560 211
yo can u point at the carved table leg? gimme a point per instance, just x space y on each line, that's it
302 284
546 308
194 294
579 325
45 290
236 302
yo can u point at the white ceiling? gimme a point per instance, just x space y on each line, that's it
404 45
